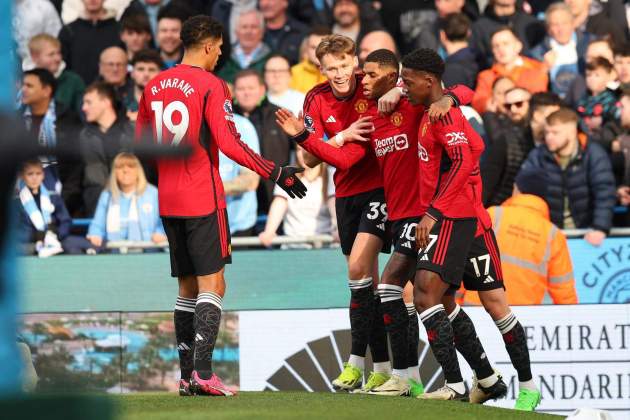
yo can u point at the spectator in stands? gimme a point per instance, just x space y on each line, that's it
83 40
250 101
228 12
169 25
496 103
135 34
106 133
127 209
44 220
373 41
277 80
460 63
112 68
45 52
309 217
73 9
52 123
306 74
150 9
250 52
602 23
32 17
563 48
349 22
240 184
283 33
511 141
580 183
146 64
404 20
622 63
534 252
508 61
623 148
599 105
541 105
429 36
504 13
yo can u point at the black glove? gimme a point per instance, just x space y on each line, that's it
287 180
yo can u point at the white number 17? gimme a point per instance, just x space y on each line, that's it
164 117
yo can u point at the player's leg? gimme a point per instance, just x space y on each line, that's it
183 317
413 340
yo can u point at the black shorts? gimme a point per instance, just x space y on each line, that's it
365 212
404 235
483 268
447 253
198 245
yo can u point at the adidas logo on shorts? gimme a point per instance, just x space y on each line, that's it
488 279
424 257
407 244
381 226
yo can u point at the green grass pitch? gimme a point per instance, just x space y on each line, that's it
303 405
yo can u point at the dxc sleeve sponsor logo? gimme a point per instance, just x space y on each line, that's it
456 138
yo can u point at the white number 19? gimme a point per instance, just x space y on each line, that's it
164 116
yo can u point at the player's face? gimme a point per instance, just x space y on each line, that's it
625 111
377 80
505 47
126 173
135 41
143 73
49 57
33 176
339 71
33 91
416 86
248 92
213 52
168 35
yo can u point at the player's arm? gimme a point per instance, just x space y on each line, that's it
460 94
218 114
450 132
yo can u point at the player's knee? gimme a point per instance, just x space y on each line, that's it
358 270
496 306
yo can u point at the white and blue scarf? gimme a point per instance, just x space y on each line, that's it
134 230
41 216
47 132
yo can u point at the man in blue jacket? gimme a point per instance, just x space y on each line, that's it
581 185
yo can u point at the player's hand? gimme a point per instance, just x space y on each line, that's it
439 109
290 183
97 241
359 130
387 103
289 123
422 232
595 237
266 238
158 238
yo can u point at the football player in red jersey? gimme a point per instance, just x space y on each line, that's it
188 105
455 242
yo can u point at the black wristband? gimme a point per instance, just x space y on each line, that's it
275 173
300 137
434 213
453 97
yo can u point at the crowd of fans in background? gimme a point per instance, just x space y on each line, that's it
551 82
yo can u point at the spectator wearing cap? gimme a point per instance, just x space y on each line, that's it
525 72
349 22
277 79
563 49
135 34
460 63
283 33
534 253
83 40
250 52
511 141
145 65
306 74
580 182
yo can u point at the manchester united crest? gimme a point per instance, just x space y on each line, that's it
396 119
361 106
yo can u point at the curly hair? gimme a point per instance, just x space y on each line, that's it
424 59
199 28
384 58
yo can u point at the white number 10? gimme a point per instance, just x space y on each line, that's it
165 116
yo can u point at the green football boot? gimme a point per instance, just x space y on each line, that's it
349 379
527 400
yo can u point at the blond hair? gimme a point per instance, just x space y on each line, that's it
141 183
337 45
557 7
36 43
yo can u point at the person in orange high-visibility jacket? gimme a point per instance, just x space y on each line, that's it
534 253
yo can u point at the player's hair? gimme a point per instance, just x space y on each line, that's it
135 22
563 116
623 50
247 73
112 185
599 63
277 55
148 56
46 78
456 27
174 10
541 99
104 90
320 30
557 7
384 58
426 60
505 29
337 45
198 29
36 43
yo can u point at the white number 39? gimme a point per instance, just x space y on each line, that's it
164 117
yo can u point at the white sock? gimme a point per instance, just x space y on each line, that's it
357 361
528 385
383 367
400 372
457 387
489 381
414 373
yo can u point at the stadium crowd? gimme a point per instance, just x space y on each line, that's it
551 83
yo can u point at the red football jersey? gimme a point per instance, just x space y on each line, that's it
324 113
189 106
451 193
